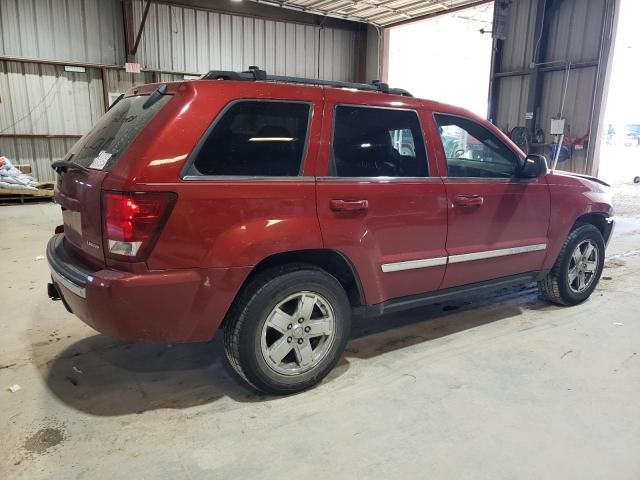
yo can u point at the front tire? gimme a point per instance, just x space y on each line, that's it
577 270
287 329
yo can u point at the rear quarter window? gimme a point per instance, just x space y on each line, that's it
114 132
254 138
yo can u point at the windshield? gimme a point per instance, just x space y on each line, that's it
113 133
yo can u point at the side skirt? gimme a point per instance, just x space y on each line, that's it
422 299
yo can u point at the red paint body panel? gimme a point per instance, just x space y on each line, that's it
513 214
79 196
174 305
237 223
572 197
406 219
219 229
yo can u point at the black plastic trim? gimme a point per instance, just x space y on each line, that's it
66 265
256 74
423 299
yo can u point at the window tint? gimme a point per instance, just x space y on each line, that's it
114 132
377 142
256 138
473 151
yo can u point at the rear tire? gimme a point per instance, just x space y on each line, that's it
636 179
287 329
577 270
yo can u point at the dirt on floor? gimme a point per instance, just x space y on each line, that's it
504 386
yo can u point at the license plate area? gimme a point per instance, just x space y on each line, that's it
72 226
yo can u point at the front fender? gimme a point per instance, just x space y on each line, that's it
571 198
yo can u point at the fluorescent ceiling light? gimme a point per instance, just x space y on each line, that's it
271 139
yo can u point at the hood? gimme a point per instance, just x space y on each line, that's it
579 175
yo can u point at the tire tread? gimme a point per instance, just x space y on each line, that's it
549 286
236 316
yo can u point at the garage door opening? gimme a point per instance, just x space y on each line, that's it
445 58
620 151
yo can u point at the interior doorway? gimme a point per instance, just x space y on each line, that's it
620 149
445 58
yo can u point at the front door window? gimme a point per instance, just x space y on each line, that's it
472 150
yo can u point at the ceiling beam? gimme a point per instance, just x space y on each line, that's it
457 8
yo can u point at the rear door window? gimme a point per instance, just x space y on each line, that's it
114 132
255 138
377 142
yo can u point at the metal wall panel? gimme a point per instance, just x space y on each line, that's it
42 99
574 31
574 34
38 152
512 102
120 81
47 100
517 51
578 106
170 77
182 39
88 31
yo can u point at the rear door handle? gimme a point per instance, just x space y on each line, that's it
468 200
348 205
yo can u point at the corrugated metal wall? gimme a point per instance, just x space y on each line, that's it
45 100
38 152
120 81
88 31
182 39
574 33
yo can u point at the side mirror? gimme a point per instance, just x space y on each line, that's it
534 166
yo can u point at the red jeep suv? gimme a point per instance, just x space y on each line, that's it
274 207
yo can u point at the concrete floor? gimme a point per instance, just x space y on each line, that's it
506 387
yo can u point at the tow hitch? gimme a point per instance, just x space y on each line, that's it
53 293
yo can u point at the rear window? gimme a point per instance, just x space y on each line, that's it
114 132
255 138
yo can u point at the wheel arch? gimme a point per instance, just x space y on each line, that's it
331 261
601 221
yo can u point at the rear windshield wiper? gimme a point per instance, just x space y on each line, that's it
120 97
62 166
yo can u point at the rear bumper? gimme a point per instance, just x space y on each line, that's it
185 305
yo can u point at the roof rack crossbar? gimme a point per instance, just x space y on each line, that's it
254 73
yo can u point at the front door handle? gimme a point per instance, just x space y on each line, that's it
468 200
348 205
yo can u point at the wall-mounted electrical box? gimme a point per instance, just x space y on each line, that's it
557 126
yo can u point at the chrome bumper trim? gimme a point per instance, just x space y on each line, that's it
68 284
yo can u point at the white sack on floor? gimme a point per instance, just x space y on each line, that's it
11 177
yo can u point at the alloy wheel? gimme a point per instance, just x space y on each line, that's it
298 333
583 266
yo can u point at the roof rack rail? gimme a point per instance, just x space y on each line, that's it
254 73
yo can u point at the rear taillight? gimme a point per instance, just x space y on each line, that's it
132 222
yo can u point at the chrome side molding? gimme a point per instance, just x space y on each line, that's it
464 257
